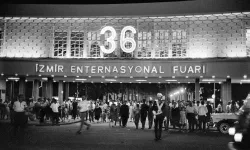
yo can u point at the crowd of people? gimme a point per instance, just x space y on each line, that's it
186 116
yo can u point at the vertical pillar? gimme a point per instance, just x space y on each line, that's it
167 89
49 91
3 89
197 89
44 89
35 93
66 90
22 86
60 91
226 93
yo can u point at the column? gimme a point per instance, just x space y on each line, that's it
226 93
60 91
22 86
66 90
167 89
49 91
35 93
2 89
197 89
44 89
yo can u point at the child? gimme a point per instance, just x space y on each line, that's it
183 119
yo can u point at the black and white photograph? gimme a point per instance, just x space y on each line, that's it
125 75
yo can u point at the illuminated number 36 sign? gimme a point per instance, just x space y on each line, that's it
123 39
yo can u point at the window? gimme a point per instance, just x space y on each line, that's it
162 43
144 44
76 44
127 45
179 40
60 44
93 44
248 41
170 43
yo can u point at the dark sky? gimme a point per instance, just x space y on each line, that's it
83 1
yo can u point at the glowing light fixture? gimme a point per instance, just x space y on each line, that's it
245 76
7 80
16 74
178 82
130 82
65 76
228 76
213 76
110 80
245 80
186 76
101 82
27 74
188 82
201 76
13 78
238 137
208 80
103 76
131 76
120 82
89 76
52 75
44 78
63 81
115 76
39 75
149 82
26 80
173 76
77 76
170 80
79 79
159 76
146 77
140 80
2 74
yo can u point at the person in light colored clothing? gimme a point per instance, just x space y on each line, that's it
190 113
83 108
202 112
19 106
54 106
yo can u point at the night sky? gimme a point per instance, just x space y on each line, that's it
84 1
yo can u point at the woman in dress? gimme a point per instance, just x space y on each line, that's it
183 118
97 112
112 114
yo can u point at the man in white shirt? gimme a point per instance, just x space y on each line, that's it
83 108
202 111
19 106
54 106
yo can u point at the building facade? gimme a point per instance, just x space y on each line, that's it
200 42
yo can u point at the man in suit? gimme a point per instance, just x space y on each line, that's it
144 113
150 115
124 113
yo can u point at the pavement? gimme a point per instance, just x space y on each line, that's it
102 137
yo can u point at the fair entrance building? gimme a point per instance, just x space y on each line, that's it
202 42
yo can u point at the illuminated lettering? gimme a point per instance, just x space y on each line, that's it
185 69
130 68
60 68
115 69
93 69
100 69
161 70
110 39
107 69
41 68
190 69
124 39
79 69
175 68
73 69
154 69
87 69
123 70
50 68
197 69
146 69
138 71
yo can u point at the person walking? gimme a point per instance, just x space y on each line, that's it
158 108
118 116
167 114
19 107
91 111
124 112
209 113
175 115
150 115
136 113
55 116
112 114
97 112
74 109
83 108
143 113
131 112
190 113
202 111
